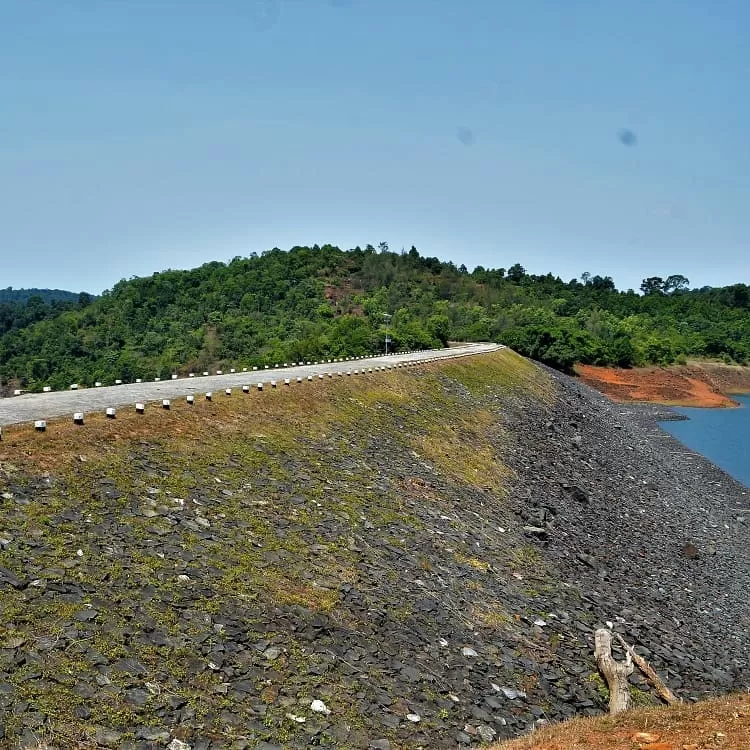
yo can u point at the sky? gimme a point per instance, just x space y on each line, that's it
608 137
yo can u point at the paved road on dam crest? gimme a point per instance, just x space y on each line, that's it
32 406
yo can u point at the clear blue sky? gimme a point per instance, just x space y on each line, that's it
137 135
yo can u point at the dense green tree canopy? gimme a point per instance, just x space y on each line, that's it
313 302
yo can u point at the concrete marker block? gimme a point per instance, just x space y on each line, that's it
286 381
228 391
260 386
140 408
209 396
190 400
111 412
246 389
78 418
40 425
46 389
166 404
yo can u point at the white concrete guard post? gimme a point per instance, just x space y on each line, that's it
140 408
174 376
273 384
46 389
209 396
309 378
165 404
118 382
219 372
156 380
286 381
299 380
111 412
74 387
17 392
232 370
40 425
78 417
254 369
205 374
228 391
138 380
191 374
260 386
246 389
97 384
191 400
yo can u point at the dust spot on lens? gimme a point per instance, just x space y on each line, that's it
465 136
627 137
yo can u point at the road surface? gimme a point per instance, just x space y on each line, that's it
34 406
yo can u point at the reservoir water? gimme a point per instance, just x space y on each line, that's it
721 435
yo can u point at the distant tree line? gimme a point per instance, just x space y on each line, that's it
312 302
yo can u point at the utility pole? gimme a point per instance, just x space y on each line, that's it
387 337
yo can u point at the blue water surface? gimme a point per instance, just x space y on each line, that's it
721 435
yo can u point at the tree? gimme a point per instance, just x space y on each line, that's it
676 283
383 247
516 273
653 285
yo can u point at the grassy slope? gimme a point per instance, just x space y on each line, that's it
719 723
110 488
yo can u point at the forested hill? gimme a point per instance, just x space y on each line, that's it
322 301
46 295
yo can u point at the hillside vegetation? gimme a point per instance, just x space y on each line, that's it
322 301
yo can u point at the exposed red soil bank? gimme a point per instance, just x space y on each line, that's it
696 384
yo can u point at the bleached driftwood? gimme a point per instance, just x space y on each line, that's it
615 672
664 692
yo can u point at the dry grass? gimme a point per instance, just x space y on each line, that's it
718 724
